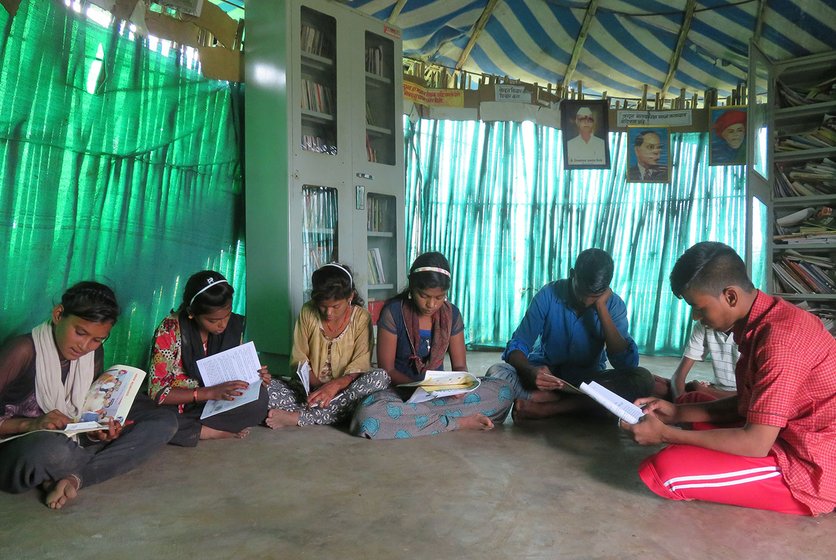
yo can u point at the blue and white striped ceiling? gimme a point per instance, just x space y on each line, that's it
629 42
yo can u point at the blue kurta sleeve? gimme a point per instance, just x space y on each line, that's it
629 357
532 325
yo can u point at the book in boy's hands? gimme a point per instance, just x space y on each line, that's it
441 384
110 397
622 408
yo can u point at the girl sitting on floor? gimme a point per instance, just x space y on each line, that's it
44 378
333 336
203 325
415 331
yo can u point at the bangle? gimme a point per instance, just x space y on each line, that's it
194 395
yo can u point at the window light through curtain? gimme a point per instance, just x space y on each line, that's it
495 199
119 163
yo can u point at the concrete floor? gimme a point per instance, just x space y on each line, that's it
564 488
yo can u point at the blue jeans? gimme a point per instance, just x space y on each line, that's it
28 461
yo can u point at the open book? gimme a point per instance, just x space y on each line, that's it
442 384
110 396
622 408
236 364
303 370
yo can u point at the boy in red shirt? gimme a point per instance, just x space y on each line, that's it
781 453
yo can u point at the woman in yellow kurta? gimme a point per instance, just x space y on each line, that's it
332 344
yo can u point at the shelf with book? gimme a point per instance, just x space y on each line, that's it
318 65
380 104
324 128
803 197
381 235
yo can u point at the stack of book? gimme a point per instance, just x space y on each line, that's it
805 274
812 178
374 60
317 97
378 214
809 225
314 41
822 137
376 274
818 93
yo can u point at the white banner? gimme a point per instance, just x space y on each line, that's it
512 94
654 118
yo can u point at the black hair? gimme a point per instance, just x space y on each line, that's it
198 302
91 301
709 267
593 271
639 139
427 279
334 281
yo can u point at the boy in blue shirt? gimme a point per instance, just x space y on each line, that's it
571 329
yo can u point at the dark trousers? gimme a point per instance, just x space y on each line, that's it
234 420
28 461
630 383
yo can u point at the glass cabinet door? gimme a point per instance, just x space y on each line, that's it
380 99
319 82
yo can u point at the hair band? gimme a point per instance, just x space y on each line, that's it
209 283
341 267
432 269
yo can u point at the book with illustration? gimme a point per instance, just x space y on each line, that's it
110 397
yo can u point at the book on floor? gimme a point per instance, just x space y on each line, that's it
110 397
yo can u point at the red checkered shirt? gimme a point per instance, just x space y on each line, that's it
786 377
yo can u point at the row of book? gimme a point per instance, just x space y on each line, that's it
822 137
374 60
811 178
805 225
317 97
315 41
319 211
313 143
380 214
805 274
376 273
818 93
371 151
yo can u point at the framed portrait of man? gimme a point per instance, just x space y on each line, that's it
727 132
648 154
585 126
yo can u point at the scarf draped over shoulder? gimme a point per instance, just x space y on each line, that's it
51 392
442 326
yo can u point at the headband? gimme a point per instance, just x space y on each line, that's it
341 267
209 283
432 269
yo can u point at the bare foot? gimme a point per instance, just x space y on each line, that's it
211 433
531 410
62 492
281 419
475 422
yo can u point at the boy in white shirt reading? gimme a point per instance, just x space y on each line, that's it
706 341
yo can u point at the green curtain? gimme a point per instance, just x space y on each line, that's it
495 199
120 163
